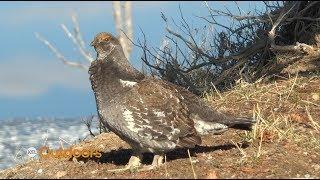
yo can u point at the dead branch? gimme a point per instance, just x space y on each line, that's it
78 43
299 47
123 25
59 55
77 39
283 13
118 24
128 22
88 123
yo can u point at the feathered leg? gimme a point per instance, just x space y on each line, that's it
157 161
134 163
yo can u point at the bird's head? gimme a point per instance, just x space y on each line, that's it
104 43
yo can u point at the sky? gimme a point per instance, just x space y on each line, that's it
34 83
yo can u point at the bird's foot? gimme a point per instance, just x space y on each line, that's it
133 164
157 161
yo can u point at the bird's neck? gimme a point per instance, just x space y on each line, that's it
111 79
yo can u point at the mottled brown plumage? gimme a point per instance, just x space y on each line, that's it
150 114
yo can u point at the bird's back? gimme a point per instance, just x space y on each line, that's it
200 110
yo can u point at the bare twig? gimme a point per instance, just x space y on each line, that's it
260 143
241 150
128 22
88 123
121 25
117 16
316 126
59 55
194 174
77 43
77 31
165 166
291 88
78 37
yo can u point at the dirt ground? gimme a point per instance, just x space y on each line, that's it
285 143
218 157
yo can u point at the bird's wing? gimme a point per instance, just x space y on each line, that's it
157 114
203 111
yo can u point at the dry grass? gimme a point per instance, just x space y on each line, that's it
285 110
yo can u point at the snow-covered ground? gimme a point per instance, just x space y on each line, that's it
17 135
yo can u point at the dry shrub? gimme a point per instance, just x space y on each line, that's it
282 38
286 110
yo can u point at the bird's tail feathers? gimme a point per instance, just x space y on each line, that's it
242 123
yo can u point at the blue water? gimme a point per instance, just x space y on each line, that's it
19 134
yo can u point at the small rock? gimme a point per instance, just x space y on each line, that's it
316 167
307 176
39 171
315 97
247 169
195 161
61 174
212 175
